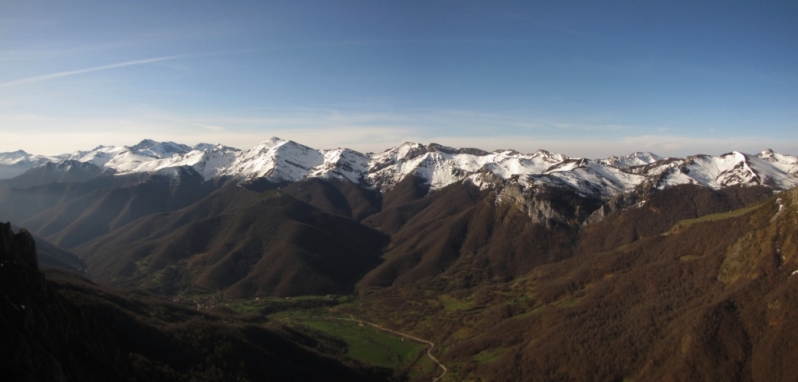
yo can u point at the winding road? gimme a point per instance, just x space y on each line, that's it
430 343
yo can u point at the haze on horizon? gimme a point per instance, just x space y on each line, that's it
582 78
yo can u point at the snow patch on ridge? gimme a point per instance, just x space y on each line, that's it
441 168
730 169
634 159
343 164
590 178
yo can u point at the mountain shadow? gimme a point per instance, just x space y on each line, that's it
241 242
70 223
51 172
20 203
337 197
52 256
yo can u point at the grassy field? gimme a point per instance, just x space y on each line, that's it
304 305
452 303
714 217
488 356
689 258
364 343
370 345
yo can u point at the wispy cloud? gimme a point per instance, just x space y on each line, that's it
68 73
210 127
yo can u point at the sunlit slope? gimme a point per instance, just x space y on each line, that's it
471 236
712 298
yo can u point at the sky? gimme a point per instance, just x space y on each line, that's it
582 78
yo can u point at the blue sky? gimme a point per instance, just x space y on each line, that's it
581 78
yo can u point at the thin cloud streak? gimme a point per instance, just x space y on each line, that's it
52 76
68 73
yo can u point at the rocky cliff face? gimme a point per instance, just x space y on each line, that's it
18 246
549 206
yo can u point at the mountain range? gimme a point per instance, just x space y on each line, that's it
501 257
284 161
286 219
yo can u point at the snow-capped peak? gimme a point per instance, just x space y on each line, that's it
12 156
638 158
159 150
17 162
276 159
212 147
549 156
343 164
786 163
730 169
767 153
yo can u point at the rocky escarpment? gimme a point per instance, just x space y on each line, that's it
548 206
